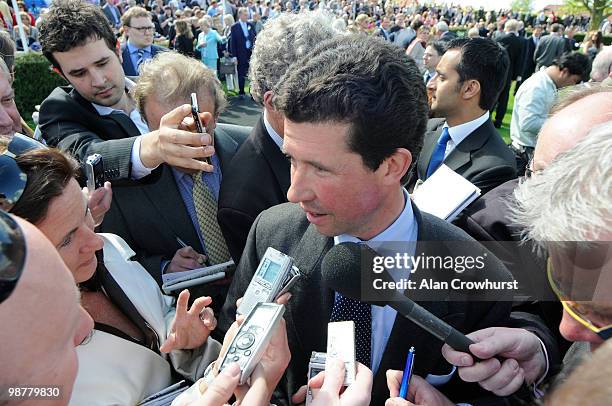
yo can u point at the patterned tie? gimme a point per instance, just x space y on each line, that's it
141 54
345 309
206 211
437 155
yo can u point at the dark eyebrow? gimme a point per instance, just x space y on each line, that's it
77 71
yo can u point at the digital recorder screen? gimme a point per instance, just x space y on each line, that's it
269 270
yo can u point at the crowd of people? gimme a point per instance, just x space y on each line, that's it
360 105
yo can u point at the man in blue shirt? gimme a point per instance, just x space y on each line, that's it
139 29
241 46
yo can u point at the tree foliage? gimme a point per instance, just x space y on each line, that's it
598 9
522 6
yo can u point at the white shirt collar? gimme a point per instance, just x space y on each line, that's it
135 116
402 229
278 140
460 132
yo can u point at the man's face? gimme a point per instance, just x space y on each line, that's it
385 23
140 32
537 32
70 228
567 79
243 16
10 120
445 85
339 194
430 58
154 109
94 71
47 322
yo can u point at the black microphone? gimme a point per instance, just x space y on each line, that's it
341 270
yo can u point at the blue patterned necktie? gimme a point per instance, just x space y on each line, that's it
141 54
437 155
346 309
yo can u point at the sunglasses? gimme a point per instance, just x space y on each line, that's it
12 255
574 309
12 179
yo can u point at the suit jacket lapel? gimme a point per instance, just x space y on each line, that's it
462 153
225 147
431 138
127 60
278 162
164 194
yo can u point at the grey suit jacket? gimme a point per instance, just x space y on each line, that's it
286 228
149 217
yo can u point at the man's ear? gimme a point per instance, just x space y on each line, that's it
395 166
118 52
470 89
267 99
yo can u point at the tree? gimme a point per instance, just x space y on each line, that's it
522 6
598 9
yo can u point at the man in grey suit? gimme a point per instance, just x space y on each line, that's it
96 113
355 113
150 217
550 47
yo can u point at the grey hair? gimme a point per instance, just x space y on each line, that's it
602 65
283 41
442 26
571 199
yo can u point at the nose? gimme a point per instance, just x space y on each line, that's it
93 242
299 190
573 331
432 82
6 122
84 326
98 78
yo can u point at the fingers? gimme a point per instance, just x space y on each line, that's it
182 301
394 382
300 396
317 381
187 258
169 344
284 298
208 318
222 387
506 380
480 371
173 118
398 402
334 376
457 358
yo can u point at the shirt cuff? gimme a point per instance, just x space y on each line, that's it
138 169
536 391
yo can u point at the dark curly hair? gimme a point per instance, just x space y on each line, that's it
72 23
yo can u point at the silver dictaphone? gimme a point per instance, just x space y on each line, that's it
274 276
251 340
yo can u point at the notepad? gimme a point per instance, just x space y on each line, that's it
445 194
180 280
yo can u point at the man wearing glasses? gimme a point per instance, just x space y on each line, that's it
139 47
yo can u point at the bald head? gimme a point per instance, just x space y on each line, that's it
42 320
570 124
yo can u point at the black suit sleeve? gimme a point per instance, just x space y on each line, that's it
492 177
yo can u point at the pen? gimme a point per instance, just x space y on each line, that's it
407 374
181 242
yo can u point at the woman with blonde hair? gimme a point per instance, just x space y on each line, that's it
6 21
207 44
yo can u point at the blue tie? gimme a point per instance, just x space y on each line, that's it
437 155
141 54
346 309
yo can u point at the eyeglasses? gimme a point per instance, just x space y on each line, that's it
12 255
574 309
148 28
12 179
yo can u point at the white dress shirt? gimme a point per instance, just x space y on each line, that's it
460 132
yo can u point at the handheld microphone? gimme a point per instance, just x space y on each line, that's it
341 270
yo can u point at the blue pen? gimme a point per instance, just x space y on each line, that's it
407 374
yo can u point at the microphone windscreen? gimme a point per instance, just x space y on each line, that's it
341 269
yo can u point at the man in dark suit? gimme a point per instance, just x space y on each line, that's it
469 78
139 28
349 190
529 47
96 113
241 45
514 46
383 30
258 176
113 15
170 200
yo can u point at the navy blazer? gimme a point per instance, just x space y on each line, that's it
128 67
238 42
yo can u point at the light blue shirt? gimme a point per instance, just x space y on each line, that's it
245 30
460 132
134 54
184 182
403 229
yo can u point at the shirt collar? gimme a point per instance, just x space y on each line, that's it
278 140
133 49
400 230
460 132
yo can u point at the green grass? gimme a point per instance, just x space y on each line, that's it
505 128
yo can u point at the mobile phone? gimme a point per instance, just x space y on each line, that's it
94 170
195 113
274 276
251 341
